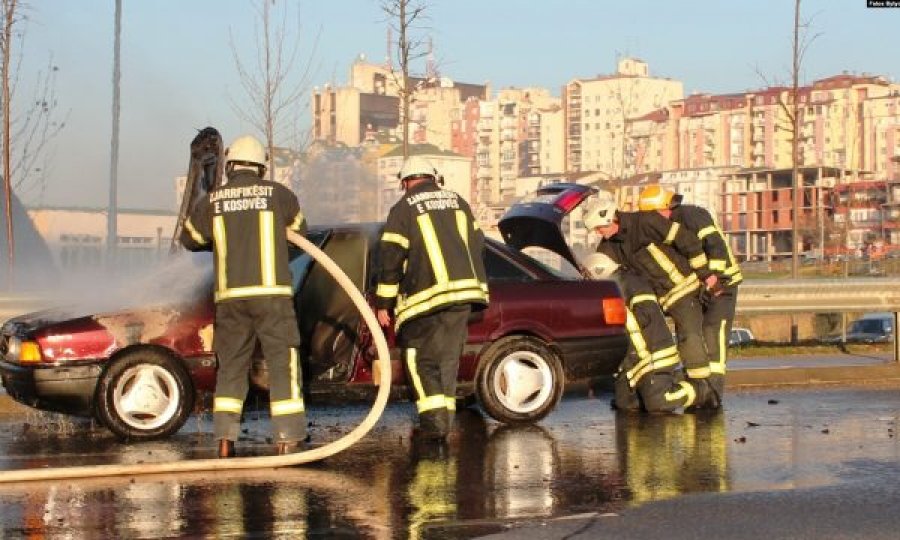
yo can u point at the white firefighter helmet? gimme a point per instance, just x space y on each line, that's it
247 150
416 166
600 212
600 265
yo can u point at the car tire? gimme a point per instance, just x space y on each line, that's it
520 380
144 394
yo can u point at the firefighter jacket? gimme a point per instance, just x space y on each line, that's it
669 256
699 221
431 255
244 223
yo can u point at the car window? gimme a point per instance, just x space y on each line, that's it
499 268
552 262
300 260
868 326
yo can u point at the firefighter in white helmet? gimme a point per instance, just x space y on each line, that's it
672 262
431 276
244 223
649 377
720 297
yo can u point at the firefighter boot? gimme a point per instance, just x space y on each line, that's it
626 399
706 399
288 447
432 425
226 448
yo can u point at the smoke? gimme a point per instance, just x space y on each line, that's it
335 185
183 278
33 268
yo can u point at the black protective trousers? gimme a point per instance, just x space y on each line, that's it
238 326
687 313
431 346
650 376
718 316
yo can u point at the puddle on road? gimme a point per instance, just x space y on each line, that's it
584 458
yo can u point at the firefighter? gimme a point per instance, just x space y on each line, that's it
672 261
244 223
431 276
719 305
649 376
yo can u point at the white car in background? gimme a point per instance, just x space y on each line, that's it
739 337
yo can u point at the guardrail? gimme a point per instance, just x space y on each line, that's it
758 296
812 295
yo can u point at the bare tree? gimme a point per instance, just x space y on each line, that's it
36 128
28 125
404 18
801 40
11 19
272 87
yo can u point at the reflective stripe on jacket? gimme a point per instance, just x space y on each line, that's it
244 223
431 255
721 260
668 255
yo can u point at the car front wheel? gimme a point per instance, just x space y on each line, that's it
145 394
520 380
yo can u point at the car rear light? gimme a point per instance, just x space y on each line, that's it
569 201
30 352
614 310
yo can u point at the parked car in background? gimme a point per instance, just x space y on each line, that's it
740 336
870 328
139 370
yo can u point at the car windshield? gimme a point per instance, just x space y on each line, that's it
868 326
552 263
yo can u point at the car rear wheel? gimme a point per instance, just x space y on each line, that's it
145 394
520 380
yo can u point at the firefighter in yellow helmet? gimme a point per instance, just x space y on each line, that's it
244 223
720 297
673 263
431 275
649 376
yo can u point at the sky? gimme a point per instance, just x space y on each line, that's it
179 74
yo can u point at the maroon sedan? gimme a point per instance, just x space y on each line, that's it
140 370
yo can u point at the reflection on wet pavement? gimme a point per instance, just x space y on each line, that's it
583 458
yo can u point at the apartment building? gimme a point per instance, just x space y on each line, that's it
517 134
757 210
598 110
700 186
370 104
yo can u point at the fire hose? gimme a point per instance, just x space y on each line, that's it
256 462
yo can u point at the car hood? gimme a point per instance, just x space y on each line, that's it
535 220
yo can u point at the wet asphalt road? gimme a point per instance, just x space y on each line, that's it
778 463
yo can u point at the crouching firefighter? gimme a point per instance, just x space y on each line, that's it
244 222
672 262
431 275
650 377
720 297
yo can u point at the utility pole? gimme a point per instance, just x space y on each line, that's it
111 216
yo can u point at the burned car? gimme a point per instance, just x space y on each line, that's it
140 370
